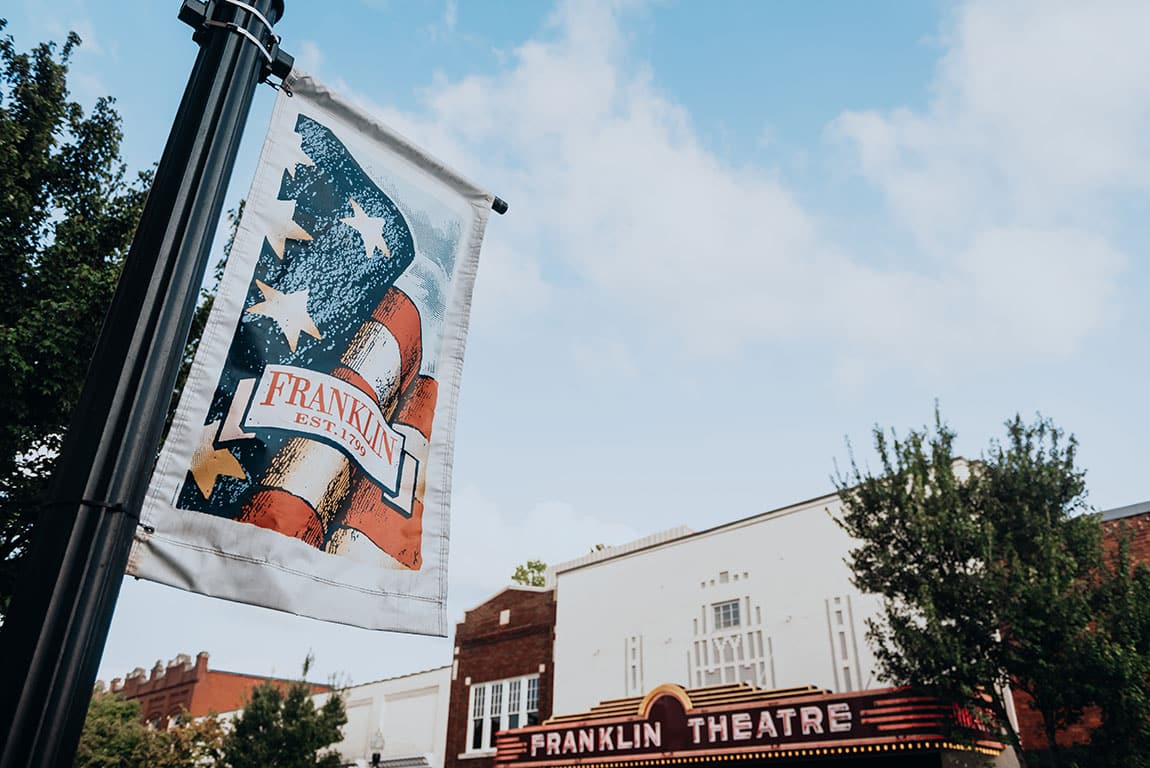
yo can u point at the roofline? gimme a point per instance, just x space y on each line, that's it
1130 510
399 677
615 550
266 678
779 512
500 591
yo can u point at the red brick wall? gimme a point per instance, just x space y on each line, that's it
1030 728
226 691
485 651
1138 528
186 686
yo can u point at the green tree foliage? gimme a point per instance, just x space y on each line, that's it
115 737
531 574
284 728
188 743
113 734
990 572
67 214
1121 657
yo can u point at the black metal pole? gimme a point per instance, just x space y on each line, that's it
54 634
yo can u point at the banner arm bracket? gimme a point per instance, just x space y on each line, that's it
108 506
277 62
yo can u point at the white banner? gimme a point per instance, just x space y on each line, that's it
308 468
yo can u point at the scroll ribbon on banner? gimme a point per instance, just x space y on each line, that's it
308 468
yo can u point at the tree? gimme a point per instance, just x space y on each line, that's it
185 743
1121 656
533 573
284 728
115 737
67 214
985 568
113 734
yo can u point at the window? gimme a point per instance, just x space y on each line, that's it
499 705
533 700
513 687
729 645
496 713
726 614
477 710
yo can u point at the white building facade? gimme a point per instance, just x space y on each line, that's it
766 600
404 719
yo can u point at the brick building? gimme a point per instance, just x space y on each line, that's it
187 686
1134 520
502 673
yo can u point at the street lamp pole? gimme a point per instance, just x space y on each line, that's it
377 748
53 636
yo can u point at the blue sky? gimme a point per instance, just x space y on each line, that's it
739 233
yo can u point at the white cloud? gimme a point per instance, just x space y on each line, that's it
607 176
1039 117
1056 95
1039 290
1008 181
450 15
605 359
1039 109
509 287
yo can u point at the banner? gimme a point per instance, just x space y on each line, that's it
308 468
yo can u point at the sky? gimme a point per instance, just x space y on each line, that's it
741 234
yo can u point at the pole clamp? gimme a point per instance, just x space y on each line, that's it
109 506
256 29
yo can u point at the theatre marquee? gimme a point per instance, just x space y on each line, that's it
671 725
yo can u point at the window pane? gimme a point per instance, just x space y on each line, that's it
477 734
726 614
515 696
496 700
532 695
477 709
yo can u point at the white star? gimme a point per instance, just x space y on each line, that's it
283 226
289 310
370 229
294 154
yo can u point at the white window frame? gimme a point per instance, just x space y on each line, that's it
481 711
730 612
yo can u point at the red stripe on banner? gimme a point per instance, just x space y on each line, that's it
280 511
401 317
417 407
369 512
344 373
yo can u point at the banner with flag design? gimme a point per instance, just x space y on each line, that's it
308 468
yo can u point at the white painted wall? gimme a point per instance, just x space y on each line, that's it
409 711
628 622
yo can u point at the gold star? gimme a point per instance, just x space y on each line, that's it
289 310
208 462
369 228
294 154
284 210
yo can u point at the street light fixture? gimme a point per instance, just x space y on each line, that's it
377 748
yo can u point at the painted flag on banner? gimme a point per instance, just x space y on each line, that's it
308 468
